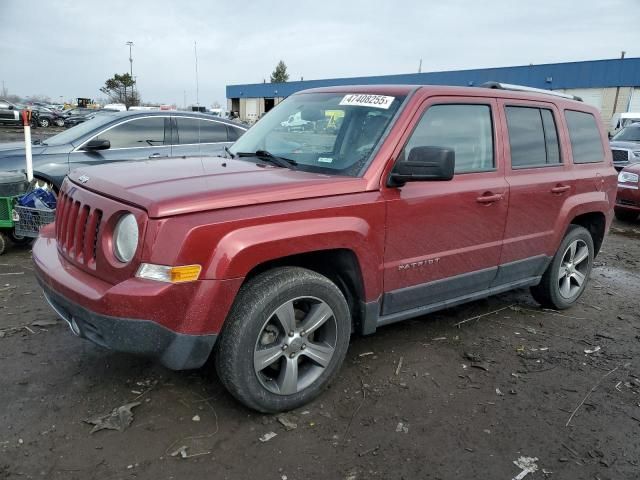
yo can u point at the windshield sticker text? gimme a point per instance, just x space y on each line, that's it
325 159
363 100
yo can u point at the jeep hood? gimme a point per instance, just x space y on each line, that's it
184 185
626 145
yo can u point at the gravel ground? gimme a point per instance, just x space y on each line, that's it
422 399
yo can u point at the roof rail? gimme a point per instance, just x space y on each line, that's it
522 88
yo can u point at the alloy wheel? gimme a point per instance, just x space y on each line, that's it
295 345
573 269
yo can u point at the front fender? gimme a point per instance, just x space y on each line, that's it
241 250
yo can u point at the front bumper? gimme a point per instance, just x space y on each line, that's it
628 198
177 351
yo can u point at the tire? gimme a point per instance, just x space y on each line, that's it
566 277
19 239
269 369
59 122
3 243
626 215
44 122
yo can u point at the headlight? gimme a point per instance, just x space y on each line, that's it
125 238
636 153
628 177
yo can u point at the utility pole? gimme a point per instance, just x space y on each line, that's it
4 90
420 67
195 51
130 44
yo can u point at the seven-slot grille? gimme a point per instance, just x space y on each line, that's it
620 155
77 228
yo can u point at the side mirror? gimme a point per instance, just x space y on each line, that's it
10 107
96 144
423 164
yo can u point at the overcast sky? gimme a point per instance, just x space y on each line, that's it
71 47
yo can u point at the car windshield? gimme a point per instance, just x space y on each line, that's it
73 134
333 133
628 134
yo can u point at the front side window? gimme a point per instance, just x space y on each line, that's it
586 143
332 133
533 139
143 132
195 131
467 129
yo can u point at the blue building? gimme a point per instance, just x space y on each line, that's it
613 86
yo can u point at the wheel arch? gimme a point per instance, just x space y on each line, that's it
596 224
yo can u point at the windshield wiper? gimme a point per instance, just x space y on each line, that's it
271 158
228 152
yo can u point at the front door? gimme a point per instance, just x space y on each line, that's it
141 138
444 238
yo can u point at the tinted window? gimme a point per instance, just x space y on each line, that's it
533 139
234 133
464 128
586 144
144 132
194 130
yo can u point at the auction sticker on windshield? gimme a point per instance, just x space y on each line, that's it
364 100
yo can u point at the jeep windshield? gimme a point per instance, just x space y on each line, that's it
628 134
332 133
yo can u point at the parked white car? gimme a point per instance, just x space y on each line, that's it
295 122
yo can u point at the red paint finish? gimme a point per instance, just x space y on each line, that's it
230 216
628 199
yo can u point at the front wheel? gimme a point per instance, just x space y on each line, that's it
44 122
19 239
284 340
566 277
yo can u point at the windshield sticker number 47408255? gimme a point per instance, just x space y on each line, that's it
365 100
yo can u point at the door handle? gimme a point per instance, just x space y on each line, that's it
560 188
157 155
490 198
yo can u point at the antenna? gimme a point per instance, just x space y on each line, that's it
195 51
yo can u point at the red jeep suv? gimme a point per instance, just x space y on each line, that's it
396 201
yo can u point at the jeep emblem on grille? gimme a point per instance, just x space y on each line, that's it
83 179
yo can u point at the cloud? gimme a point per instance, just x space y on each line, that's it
70 48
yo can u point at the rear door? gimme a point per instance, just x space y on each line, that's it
198 136
444 238
540 181
140 138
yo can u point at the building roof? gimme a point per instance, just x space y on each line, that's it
586 74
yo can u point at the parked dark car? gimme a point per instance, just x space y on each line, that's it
119 136
73 120
47 116
625 146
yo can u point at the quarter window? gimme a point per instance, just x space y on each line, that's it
586 144
467 129
143 132
195 130
533 138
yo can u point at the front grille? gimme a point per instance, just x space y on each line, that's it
620 155
77 230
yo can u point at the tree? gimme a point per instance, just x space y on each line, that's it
121 89
280 74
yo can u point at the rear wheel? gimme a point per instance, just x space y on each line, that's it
19 239
44 122
3 243
566 277
626 215
284 340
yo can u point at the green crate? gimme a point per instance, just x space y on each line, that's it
6 205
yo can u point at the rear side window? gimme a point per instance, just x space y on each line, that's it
467 129
533 138
586 143
195 130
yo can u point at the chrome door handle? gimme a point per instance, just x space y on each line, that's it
490 198
560 188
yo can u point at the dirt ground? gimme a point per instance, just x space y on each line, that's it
430 398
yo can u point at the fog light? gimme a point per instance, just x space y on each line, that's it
166 273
